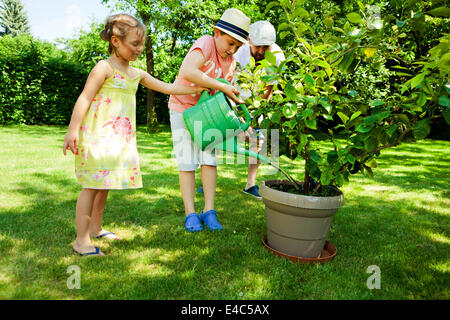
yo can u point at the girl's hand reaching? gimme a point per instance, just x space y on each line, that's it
71 142
199 90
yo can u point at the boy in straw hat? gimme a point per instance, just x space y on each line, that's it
210 57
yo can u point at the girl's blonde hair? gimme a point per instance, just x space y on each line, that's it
119 25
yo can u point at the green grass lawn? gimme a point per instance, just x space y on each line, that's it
398 221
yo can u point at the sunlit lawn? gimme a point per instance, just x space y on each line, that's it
398 221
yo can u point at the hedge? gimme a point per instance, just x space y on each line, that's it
40 85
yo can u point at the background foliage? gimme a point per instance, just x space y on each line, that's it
43 82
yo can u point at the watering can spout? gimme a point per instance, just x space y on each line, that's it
231 145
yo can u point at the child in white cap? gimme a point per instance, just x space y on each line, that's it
210 57
261 39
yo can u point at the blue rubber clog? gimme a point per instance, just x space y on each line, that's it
192 222
210 220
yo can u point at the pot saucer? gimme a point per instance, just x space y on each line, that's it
328 253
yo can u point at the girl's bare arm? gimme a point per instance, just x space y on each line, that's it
168 88
94 82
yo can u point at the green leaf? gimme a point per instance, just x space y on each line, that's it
339 179
370 144
289 110
309 80
290 91
252 61
351 158
265 124
325 178
392 129
311 166
375 103
364 128
343 117
421 129
271 5
300 12
275 117
444 101
421 100
303 142
346 62
321 63
360 5
440 12
352 93
403 89
446 114
332 157
270 57
354 18
338 29
312 124
328 22
417 80
400 23
284 34
372 163
291 123
283 26
355 115
308 112
315 156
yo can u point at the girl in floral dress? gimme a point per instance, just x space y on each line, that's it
102 130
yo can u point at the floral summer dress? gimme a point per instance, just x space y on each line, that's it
107 154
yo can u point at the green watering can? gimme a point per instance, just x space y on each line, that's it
216 112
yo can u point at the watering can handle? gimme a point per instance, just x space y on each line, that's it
244 125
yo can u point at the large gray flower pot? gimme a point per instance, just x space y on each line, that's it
298 225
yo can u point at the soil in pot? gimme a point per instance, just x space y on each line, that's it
325 191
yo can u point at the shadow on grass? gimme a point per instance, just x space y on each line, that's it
163 261
158 259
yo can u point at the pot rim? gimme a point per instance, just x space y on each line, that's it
299 200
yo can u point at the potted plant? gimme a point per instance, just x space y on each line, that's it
319 96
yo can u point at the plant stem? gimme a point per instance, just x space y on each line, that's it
349 50
306 181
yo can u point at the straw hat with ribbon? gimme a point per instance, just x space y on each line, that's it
234 23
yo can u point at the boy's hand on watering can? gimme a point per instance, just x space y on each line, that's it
231 92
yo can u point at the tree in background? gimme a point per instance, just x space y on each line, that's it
86 48
172 27
13 18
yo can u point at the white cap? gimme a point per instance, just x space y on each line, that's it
262 33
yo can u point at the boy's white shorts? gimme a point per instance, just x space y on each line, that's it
188 154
